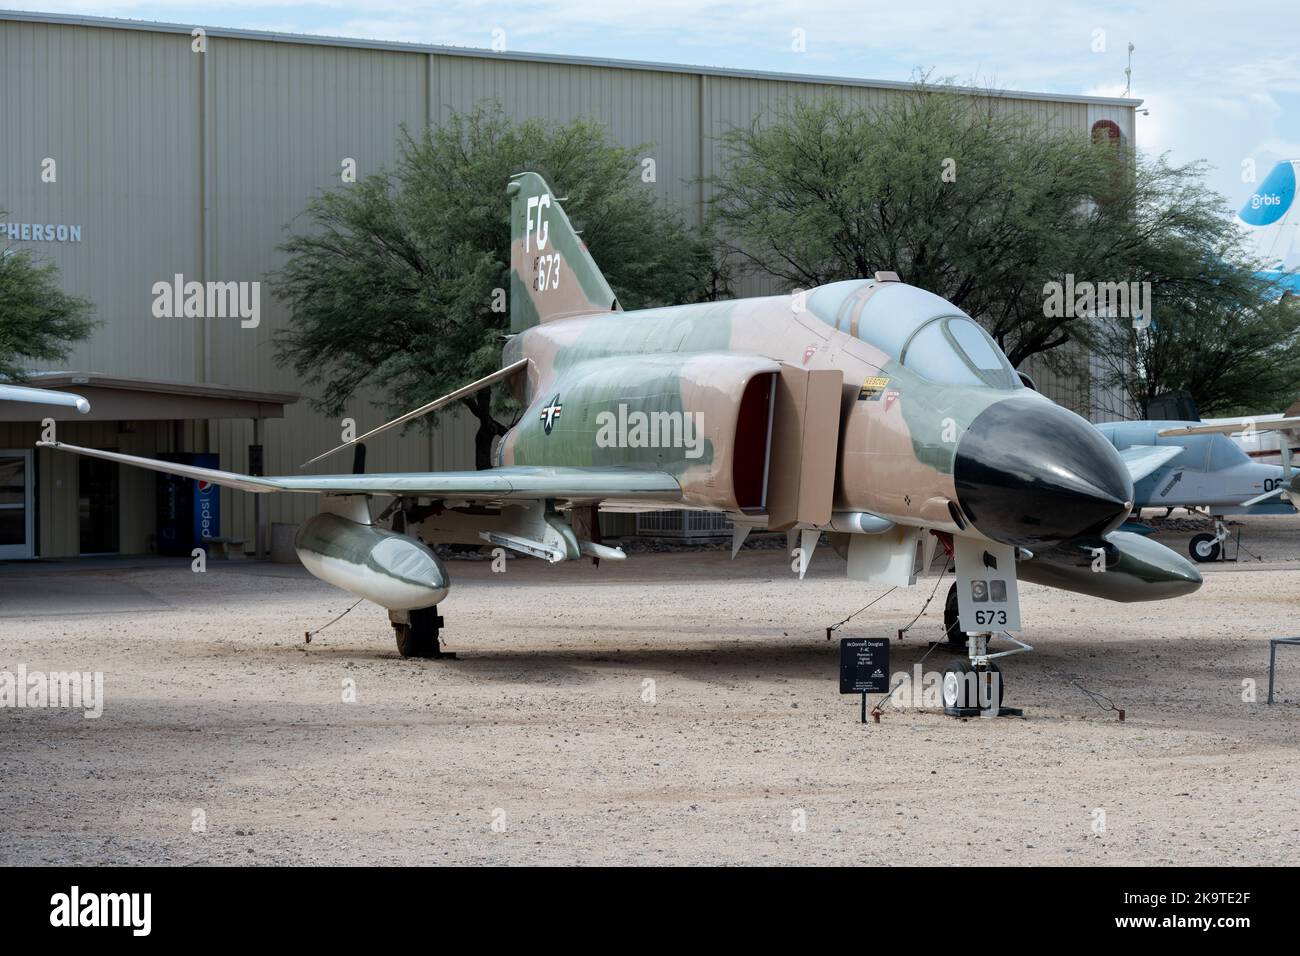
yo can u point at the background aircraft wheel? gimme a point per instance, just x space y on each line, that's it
951 624
1204 548
419 638
960 689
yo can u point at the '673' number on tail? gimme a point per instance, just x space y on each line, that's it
547 270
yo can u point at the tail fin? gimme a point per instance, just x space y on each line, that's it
551 272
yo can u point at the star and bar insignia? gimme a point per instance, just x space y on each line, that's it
551 413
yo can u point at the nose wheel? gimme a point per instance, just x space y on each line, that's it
966 687
1204 548
974 687
952 621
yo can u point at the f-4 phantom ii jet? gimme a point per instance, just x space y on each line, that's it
869 410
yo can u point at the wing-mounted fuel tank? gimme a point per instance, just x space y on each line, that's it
342 547
1119 567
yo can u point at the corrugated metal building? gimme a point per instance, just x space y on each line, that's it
168 161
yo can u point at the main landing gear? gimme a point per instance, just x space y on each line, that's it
417 633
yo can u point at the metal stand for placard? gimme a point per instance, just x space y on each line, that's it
1273 642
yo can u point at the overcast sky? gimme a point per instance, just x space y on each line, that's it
1221 81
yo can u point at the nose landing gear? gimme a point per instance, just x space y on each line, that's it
1211 547
974 687
985 596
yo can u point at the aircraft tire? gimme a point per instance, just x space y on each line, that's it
1204 548
956 683
951 622
959 690
996 673
419 637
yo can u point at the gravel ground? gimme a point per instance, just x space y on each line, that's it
678 708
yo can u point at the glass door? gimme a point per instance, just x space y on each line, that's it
97 505
17 536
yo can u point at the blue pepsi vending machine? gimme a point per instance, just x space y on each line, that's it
188 510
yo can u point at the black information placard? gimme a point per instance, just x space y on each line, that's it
864 665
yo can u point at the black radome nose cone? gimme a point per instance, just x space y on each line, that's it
1030 473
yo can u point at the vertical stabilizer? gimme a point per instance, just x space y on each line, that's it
551 272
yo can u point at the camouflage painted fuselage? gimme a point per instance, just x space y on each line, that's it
932 427
898 432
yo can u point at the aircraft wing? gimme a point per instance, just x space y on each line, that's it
1142 460
496 484
43 396
499 375
1232 428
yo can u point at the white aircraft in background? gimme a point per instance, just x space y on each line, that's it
43 396
1245 433
1248 432
1263 442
